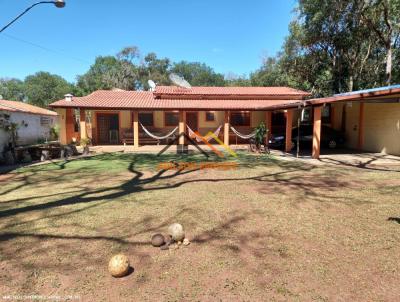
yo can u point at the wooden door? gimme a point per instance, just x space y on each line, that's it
192 120
103 129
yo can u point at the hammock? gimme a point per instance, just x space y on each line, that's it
158 137
192 134
243 136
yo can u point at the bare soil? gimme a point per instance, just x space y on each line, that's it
273 231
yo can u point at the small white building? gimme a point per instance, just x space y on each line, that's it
34 123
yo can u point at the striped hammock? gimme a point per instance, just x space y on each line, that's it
192 134
243 136
155 136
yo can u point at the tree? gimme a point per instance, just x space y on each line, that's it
155 69
12 89
235 80
383 18
43 88
198 74
337 46
107 73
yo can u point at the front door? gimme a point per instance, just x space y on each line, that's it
108 128
192 120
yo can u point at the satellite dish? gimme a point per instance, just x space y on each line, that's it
152 85
179 81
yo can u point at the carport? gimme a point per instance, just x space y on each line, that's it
370 119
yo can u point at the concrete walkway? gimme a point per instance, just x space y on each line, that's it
372 161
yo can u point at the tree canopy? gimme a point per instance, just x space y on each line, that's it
42 88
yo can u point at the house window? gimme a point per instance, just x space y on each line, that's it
45 121
146 118
171 118
240 118
210 116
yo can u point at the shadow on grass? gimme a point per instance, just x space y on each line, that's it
136 184
395 219
369 164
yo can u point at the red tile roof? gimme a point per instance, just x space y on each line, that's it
13 106
230 91
109 99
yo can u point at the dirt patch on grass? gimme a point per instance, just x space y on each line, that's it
272 232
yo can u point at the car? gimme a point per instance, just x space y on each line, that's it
330 137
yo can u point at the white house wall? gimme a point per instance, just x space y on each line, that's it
29 134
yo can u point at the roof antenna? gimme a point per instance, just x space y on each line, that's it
152 85
179 81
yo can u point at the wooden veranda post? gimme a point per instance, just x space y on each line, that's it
82 123
316 148
182 125
289 126
226 128
136 129
268 124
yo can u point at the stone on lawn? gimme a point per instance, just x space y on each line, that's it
118 265
157 240
186 242
176 231
164 247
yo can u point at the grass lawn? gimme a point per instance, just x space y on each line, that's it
269 230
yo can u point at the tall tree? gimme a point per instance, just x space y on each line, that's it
383 18
198 74
107 73
155 69
43 88
12 89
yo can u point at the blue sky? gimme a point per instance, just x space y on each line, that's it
231 36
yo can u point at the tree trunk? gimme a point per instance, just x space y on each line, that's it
389 59
351 83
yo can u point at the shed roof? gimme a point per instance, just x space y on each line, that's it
358 95
13 106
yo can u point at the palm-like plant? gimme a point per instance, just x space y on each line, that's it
261 131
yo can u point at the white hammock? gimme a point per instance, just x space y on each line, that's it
158 137
192 134
244 136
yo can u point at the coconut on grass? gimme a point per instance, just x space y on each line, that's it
157 240
118 266
176 231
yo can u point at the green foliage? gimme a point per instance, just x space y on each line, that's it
12 89
337 46
154 69
43 88
261 131
107 73
55 132
85 142
198 74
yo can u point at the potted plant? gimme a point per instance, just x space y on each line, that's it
85 142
